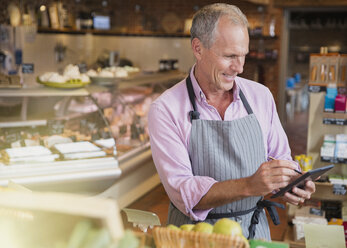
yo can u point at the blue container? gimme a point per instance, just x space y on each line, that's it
329 103
297 77
290 83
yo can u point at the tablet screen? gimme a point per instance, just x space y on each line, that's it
300 181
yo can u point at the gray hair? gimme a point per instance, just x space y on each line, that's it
206 20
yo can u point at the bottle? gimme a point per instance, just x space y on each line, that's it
272 27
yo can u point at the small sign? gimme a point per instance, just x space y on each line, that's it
55 126
341 122
339 189
316 88
329 121
28 68
342 160
12 137
316 211
328 159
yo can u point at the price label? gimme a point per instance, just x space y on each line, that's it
28 68
316 88
55 126
316 211
341 122
339 189
12 137
329 121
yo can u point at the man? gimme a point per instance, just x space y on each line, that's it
212 133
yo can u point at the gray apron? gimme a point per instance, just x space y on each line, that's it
227 150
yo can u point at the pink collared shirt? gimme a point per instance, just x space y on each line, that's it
169 127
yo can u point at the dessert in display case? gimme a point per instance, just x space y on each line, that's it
82 139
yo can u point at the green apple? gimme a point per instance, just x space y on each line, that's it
227 226
173 227
203 227
187 227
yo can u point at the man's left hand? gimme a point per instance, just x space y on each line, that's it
300 195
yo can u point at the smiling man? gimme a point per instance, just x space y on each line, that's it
212 133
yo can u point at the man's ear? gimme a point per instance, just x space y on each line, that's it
197 48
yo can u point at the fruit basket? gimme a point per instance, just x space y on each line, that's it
168 238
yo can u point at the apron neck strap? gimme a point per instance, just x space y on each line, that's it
245 103
194 114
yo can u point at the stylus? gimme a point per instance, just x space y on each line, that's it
294 169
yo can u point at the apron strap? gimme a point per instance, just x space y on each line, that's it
245 103
229 215
270 206
194 114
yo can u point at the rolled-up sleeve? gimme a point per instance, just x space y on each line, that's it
171 158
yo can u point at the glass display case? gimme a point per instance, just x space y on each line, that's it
77 140
44 144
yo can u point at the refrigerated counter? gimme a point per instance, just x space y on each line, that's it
94 113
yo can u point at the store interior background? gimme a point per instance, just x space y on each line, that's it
138 35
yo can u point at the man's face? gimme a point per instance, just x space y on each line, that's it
225 58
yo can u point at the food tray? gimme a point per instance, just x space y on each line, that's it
169 238
70 84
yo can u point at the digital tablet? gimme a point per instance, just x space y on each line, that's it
300 181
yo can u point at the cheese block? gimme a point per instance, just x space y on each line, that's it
75 147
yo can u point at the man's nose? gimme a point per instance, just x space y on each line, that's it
237 65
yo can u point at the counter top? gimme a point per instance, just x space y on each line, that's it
136 80
39 91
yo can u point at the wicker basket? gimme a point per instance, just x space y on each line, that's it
169 238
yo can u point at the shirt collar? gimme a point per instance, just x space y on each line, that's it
199 94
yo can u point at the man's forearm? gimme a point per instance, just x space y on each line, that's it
225 192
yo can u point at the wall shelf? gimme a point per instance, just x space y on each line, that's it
324 191
334 160
109 32
316 131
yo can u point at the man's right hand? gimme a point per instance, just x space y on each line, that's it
271 176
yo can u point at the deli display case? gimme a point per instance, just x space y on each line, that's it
90 140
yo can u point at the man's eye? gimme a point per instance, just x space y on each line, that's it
232 56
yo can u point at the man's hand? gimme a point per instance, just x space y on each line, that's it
300 195
271 176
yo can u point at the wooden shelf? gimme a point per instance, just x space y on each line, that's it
334 160
72 31
316 131
309 3
324 191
